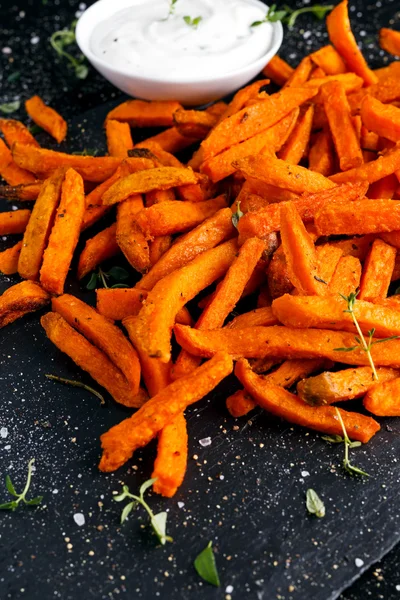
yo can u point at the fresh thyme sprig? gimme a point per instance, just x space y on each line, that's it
158 521
360 339
337 439
13 504
192 22
272 16
237 216
100 278
289 16
63 38
79 384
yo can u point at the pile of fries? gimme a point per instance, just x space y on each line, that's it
290 199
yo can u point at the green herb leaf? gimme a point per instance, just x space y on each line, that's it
333 439
86 152
206 566
63 38
348 444
127 510
34 501
9 107
34 129
237 216
79 384
118 273
14 76
22 496
272 16
314 504
192 22
9 505
159 525
146 485
92 284
10 486
318 11
119 285
348 349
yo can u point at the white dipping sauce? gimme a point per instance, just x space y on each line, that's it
145 39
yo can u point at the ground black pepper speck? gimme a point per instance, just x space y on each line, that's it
245 491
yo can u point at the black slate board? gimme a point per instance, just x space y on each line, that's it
248 499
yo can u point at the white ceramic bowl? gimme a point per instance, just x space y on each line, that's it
200 90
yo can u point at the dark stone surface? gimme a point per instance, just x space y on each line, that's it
245 491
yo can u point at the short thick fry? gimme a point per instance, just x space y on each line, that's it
328 59
389 40
170 140
98 249
64 235
296 146
278 70
383 119
129 235
258 316
372 171
103 334
170 294
377 271
300 74
383 399
328 388
121 441
358 217
282 403
346 278
47 118
168 218
119 138
10 171
205 236
161 178
20 299
342 38
21 192
330 313
139 113
89 358
170 464
14 221
194 123
39 226
15 131
9 259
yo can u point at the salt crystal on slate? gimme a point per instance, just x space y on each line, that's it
3 432
359 562
205 442
79 519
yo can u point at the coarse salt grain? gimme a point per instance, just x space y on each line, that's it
181 504
359 562
3 432
205 442
305 474
79 519
229 589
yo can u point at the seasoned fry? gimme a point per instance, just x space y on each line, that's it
346 278
21 299
300 74
389 40
278 70
9 259
161 178
119 138
64 234
328 59
328 388
259 316
98 249
158 247
242 98
129 236
282 403
10 171
377 271
89 358
21 192
170 464
358 217
169 140
296 146
121 441
383 399
15 131
39 226
139 113
372 171
14 221
240 404
382 119
194 123
328 259
47 118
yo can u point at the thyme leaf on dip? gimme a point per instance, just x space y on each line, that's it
289 15
206 566
13 504
314 504
192 22
272 16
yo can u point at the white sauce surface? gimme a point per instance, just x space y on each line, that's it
144 39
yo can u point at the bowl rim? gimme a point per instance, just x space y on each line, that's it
83 41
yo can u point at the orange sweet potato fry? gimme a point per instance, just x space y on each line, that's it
20 299
194 123
300 74
278 172
64 234
329 313
130 237
103 334
227 295
317 73
346 278
383 399
121 441
221 166
205 236
246 123
278 70
98 249
285 342
158 247
383 119
21 192
139 113
10 171
157 196
358 247
89 358
341 36
169 140
119 138
327 260
389 40
15 131
344 136
9 259
242 97
377 271
328 388
39 226
290 407
161 178
170 294
173 217
328 59
384 188
259 316
240 404
43 162
14 221
321 157
170 464
360 216
47 118
295 148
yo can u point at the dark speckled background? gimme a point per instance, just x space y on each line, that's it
245 491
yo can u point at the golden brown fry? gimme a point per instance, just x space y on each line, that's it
20 299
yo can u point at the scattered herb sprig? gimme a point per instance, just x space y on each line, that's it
13 504
101 278
360 339
79 384
158 521
289 16
63 38
206 566
314 504
7 108
337 439
272 16
192 21
172 7
237 216
86 152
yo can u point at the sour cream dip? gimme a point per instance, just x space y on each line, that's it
183 40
